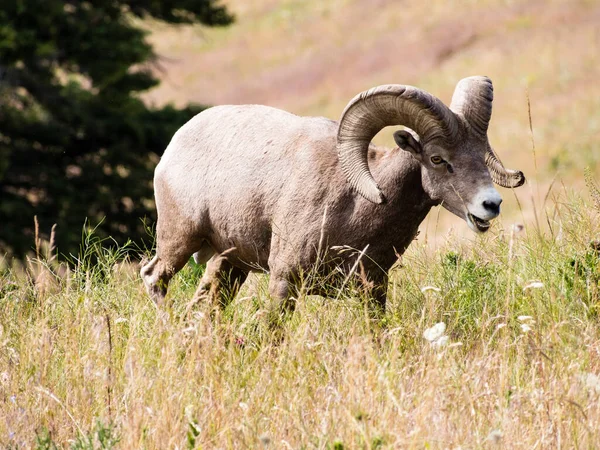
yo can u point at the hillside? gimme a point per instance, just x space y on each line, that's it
311 57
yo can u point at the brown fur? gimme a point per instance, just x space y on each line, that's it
266 187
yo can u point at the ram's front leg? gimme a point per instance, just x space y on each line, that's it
221 281
379 291
375 286
283 270
283 265
280 290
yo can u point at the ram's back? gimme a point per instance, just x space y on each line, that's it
236 171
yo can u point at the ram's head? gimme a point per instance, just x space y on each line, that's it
451 144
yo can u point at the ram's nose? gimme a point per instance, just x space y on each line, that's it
493 205
486 204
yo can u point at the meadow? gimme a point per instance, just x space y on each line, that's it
488 341
88 361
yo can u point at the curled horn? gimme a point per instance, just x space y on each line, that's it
472 100
370 111
502 176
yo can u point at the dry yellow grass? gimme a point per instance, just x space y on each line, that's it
93 358
520 367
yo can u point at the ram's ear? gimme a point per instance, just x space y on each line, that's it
407 142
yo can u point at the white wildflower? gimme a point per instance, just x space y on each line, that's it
436 337
121 320
527 323
425 289
525 319
442 341
591 381
500 325
525 328
533 285
435 332
243 406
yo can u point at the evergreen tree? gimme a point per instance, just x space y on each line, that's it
76 142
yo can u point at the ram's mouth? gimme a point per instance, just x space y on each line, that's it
478 224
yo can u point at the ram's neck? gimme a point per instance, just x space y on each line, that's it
388 228
398 175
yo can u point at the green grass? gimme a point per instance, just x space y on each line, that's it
88 361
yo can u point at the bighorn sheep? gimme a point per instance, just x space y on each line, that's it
269 188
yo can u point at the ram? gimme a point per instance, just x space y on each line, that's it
250 187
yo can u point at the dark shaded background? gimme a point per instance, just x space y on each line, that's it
77 145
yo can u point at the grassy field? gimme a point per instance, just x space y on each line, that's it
88 361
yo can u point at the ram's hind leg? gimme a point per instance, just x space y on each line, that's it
172 253
158 272
221 281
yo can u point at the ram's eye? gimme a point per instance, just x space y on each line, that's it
437 159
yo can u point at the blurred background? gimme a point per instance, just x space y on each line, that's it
91 92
